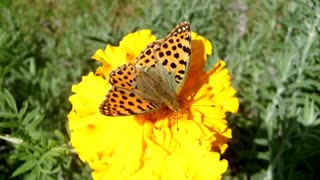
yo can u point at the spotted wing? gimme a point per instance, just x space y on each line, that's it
172 53
124 102
124 98
123 76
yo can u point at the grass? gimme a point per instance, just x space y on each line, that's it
271 48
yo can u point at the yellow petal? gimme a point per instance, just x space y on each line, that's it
134 43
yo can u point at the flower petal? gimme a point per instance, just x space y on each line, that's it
134 43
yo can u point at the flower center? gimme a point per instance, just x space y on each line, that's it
167 116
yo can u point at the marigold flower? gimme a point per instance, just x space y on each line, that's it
159 145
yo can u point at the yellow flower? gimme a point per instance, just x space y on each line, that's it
159 145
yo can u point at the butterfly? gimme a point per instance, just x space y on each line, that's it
154 80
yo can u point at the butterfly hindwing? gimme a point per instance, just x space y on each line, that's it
122 102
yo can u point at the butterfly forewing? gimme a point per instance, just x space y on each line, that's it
174 52
123 76
146 59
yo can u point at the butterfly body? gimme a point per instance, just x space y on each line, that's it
154 80
156 88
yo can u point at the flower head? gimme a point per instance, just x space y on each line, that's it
162 144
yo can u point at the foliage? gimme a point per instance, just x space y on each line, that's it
271 47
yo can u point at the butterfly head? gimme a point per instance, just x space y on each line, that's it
173 105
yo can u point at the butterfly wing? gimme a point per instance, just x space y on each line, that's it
124 102
124 98
123 76
174 52
171 53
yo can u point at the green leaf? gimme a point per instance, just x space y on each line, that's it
264 156
309 114
23 109
31 116
261 141
9 124
4 37
10 100
24 167
7 115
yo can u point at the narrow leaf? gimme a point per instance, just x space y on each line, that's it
24 167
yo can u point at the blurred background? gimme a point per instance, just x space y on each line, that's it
272 52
